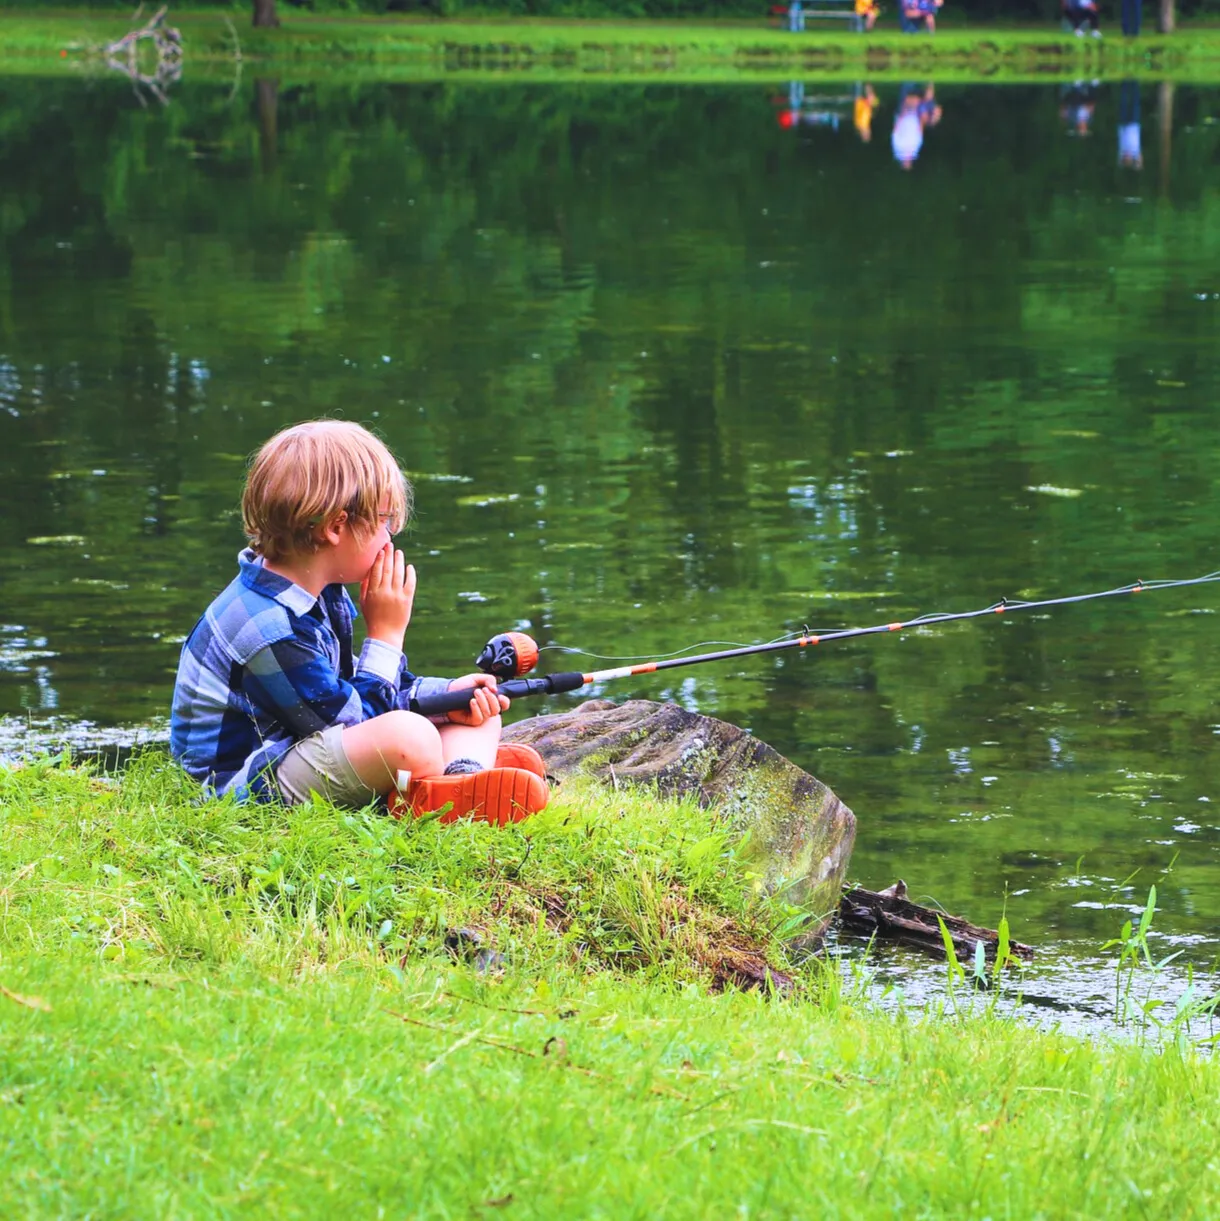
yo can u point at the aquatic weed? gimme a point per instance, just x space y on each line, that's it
1136 965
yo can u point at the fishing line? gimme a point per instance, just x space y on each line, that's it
1004 604
701 644
512 654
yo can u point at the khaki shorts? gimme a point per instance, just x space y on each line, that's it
319 764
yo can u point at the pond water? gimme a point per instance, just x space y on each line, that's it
671 365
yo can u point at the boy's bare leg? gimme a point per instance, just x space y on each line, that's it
477 742
380 748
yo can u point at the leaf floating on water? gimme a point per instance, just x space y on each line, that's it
840 595
782 346
56 540
1160 381
1049 489
480 502
1085 434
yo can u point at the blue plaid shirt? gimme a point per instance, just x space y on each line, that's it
268 665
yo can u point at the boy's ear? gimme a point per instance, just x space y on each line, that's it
330 531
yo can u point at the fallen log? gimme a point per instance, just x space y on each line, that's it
889 915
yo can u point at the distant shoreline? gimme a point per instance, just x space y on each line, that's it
640 49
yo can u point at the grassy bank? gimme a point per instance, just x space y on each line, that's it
210 1010
389 48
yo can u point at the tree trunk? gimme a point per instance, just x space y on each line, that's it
1165 115
264 14
1165 17
267 92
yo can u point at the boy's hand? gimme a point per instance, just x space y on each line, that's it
485 701
386 595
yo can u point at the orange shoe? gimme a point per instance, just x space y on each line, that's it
498 795
517 754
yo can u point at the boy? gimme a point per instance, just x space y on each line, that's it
270 702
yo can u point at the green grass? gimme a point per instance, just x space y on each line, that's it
212 1011
539 49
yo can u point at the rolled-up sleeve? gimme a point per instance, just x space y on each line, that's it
412 689
381 660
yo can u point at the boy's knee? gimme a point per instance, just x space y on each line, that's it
399 739
414 733
402 722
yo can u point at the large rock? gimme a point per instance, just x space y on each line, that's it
800 833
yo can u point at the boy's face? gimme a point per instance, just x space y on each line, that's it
357 546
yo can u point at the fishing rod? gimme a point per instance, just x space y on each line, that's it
510 655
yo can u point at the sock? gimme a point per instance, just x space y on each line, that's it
463 767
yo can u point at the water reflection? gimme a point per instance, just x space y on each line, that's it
1072 989
800 109
151 78
862 112
1130 153
917 110
25 656
664 373
1078 105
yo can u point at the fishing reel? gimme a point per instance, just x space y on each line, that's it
508 655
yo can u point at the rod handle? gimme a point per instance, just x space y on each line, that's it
514 688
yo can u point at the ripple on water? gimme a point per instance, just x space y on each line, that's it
25 738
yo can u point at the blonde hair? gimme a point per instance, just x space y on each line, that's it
312 472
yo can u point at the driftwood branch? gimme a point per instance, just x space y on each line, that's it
153 28
889 915
237 60
123 55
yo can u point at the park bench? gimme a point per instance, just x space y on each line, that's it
793 16
801 109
